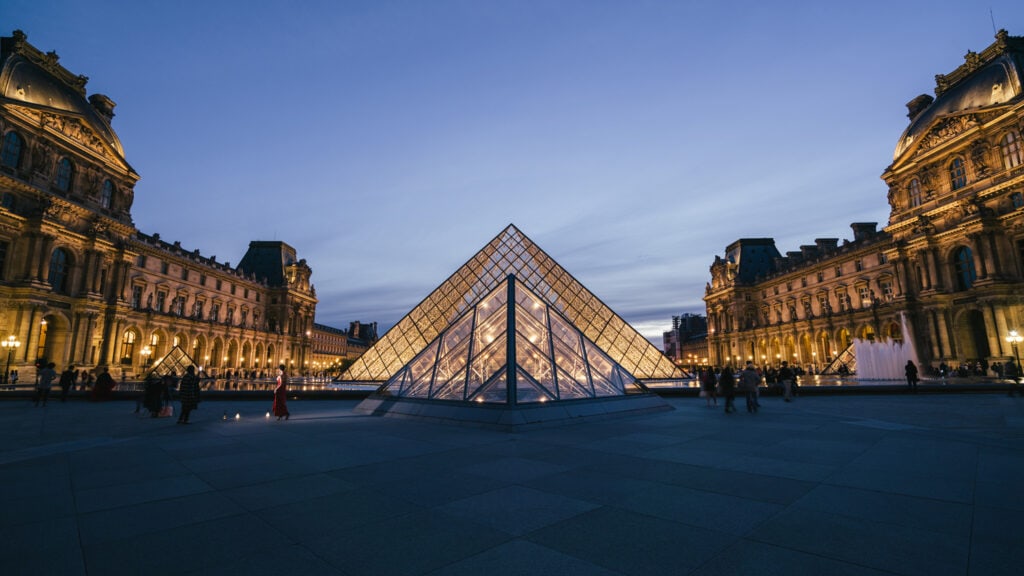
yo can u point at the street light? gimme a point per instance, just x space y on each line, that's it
145 352
11 344
1014 339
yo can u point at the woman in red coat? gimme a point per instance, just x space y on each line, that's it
280 407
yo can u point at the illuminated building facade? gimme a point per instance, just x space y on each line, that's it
80 285
948 269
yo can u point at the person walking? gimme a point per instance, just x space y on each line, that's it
749 381
727 383
1012 372
188 392
708 383
280 405
786 377
67 382
44 382
911 370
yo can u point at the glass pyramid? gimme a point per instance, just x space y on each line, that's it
174 362
449 331
511 336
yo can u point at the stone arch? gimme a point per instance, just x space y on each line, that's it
970 334
52 341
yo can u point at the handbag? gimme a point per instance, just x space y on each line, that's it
167 411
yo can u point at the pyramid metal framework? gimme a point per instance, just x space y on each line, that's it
514 274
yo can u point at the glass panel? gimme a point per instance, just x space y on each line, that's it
601 372
527 391
568 360
486 363
569 388
534 361
495 392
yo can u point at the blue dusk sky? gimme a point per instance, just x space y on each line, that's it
388 141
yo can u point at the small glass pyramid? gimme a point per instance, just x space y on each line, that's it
587 348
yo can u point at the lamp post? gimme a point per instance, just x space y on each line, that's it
1014 339
145 352
11 344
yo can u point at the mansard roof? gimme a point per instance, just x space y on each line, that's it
33 79
985 81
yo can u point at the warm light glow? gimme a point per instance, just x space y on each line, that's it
11 342
1014 338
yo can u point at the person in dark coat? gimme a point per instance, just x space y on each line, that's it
727 384
911 371
153 395
104 385
708 383
188 393
67 382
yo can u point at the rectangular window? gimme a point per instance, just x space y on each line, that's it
218 284
821 277
776 290
103 281
882 259
161 299
4 247
136 297
164 267
887 293
232 289
858 265
202 279
865 296
823 304
198 310
803 282
1017 199
142 261
839 271
214 312
184 274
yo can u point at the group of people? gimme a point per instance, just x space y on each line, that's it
100 390
725 382
157 391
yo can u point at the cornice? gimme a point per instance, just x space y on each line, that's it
18 44
974 60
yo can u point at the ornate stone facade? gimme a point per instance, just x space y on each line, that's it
80 285
947 270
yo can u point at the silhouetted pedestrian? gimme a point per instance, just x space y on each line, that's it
280 405
749 381
67 382
188 393
786 376
44 382
727 388
911 371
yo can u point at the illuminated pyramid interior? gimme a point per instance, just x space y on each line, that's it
515 339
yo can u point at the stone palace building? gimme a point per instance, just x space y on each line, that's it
947 271
80 285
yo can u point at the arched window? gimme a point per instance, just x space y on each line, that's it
107 194
127 347
1010 146
963 264
11 155
58 276
957 174
65 172
915 193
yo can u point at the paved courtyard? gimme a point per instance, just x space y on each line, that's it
930 484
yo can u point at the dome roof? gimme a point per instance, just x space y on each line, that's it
989 79
35 79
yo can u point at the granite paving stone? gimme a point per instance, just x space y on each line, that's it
847 484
